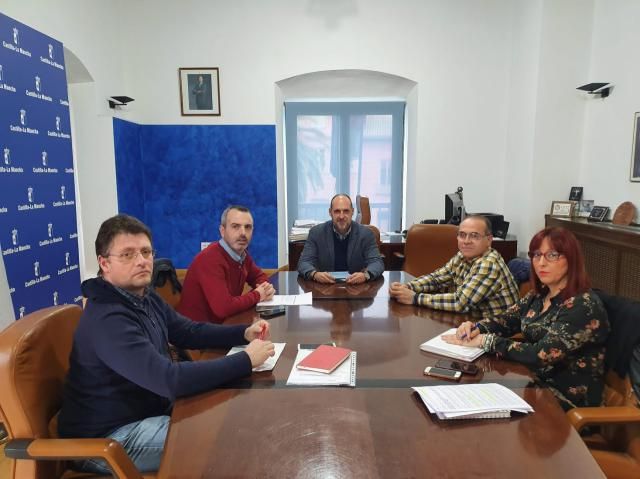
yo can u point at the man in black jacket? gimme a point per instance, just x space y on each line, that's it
340 245
122 381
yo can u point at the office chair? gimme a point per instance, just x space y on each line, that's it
364 211
615 444
34 359
428 247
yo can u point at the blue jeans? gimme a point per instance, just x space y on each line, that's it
143 441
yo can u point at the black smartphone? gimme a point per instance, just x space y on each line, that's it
273 312
457 366
443 373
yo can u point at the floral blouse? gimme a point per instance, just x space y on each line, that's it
564 346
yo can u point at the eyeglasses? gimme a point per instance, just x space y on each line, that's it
551 256
472 236
129 256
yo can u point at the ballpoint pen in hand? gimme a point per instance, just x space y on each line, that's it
263 331
475 326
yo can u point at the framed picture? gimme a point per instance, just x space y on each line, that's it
562 208
199 91
585 207
598 213
576 193
635 150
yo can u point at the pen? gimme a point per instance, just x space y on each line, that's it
475 326
263 330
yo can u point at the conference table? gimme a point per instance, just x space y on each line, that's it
260 427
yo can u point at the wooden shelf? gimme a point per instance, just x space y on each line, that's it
611 253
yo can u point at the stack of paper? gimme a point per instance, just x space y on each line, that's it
343 375
300 229
463 353
472 401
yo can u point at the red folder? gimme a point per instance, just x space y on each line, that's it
324 359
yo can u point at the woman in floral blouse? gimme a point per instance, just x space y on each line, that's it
563 322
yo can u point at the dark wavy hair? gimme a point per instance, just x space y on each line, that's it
564 242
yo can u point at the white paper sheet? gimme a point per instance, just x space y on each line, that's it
343 375
305 299
269 364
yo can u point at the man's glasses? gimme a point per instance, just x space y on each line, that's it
551 256
472 236
129 256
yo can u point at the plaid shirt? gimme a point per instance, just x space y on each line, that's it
483 287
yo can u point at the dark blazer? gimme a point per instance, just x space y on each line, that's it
362 253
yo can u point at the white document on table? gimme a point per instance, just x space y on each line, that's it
484 400
305 299
269 364
343 375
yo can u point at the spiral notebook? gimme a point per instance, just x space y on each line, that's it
472 401
463 353
343 375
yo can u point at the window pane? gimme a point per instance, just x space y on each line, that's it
316 165
344 147
370 164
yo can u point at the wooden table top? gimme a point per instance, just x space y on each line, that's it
259 427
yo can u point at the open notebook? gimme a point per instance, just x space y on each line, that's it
438 346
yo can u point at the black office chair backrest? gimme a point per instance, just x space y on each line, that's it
163 271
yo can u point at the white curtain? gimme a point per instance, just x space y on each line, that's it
6 306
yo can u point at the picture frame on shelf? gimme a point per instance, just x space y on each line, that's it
635 149
584 208
575 194
563 208
598 213
199 91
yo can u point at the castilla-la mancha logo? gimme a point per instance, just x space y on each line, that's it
15 35
50 51
7 156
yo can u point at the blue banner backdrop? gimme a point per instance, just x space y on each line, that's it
38 229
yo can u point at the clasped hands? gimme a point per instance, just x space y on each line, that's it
266 291
401 292
260 348
326 278
467 334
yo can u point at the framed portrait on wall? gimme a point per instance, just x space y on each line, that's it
199 91
635 150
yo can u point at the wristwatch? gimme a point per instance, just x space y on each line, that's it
367 275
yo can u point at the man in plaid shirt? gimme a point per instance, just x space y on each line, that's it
476 280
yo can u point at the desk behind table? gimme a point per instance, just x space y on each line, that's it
508 248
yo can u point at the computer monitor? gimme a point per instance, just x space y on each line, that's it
454 207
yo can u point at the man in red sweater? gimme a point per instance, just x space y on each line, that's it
215 280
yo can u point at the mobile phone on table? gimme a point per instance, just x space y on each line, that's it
442 373
273 312
457 366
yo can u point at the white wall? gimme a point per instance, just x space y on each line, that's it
497 111
606 151
457 52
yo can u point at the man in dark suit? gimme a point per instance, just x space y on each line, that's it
340 245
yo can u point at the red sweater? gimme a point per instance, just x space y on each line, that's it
213 286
